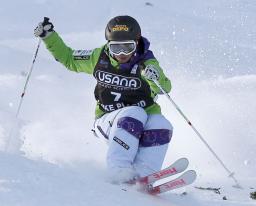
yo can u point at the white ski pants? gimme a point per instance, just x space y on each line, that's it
137 141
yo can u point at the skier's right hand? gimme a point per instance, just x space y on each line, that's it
44 29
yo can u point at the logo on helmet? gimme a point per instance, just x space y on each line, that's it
120 28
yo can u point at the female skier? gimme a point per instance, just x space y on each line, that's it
126 113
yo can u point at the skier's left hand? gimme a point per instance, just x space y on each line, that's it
150 72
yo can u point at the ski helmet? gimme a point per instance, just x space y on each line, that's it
122 28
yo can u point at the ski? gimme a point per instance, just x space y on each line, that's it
185 179
177 167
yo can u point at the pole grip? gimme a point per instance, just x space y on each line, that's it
46 19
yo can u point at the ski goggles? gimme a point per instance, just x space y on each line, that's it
122 47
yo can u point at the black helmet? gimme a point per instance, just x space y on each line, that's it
122 28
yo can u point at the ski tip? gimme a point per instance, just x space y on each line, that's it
190 176
181 164
183 159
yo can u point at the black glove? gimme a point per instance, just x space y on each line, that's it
44 29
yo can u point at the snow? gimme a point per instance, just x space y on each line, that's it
207 48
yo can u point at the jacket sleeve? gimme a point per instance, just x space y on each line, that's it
74 60
163 80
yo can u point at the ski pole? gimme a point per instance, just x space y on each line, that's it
230 174
28 77
24 91
46 19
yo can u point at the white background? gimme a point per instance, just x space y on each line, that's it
207 49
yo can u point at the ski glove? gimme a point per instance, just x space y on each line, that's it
44 29
150 72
